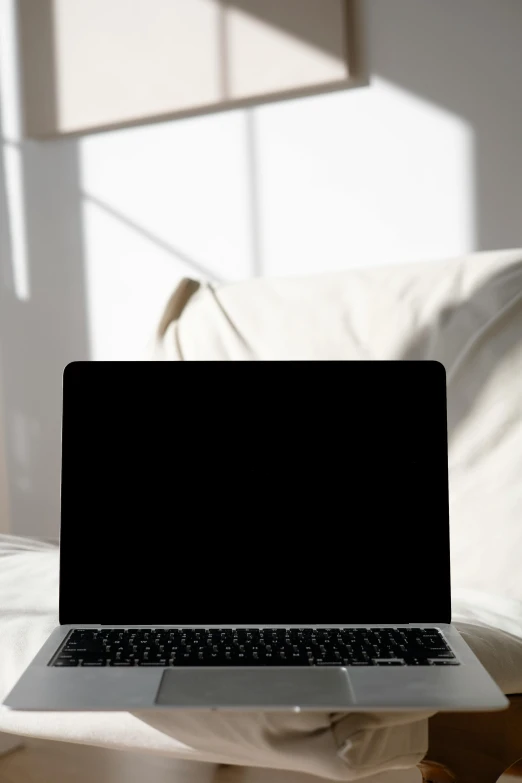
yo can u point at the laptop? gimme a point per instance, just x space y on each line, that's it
271 536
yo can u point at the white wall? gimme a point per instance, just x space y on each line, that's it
4 485
424 163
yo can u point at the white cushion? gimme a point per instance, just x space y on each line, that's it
466 313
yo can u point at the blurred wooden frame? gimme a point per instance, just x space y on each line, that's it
87 66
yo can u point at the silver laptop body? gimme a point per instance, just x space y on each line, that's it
285 491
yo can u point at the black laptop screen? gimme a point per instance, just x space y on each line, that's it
254 493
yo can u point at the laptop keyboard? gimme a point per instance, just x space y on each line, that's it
255 647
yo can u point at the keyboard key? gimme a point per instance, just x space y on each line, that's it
163 647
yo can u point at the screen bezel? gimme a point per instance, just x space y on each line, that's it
77 609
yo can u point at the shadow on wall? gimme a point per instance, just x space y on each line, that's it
463 56
43 330
466 57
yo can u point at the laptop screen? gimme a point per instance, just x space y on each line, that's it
257 493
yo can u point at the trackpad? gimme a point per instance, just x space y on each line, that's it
313 688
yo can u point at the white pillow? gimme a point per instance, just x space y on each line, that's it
466 312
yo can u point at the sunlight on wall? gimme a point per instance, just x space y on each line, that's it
128 283
364 177
4 483
265 59
372 176
148 46
14 185
160 203
10 148
9 72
